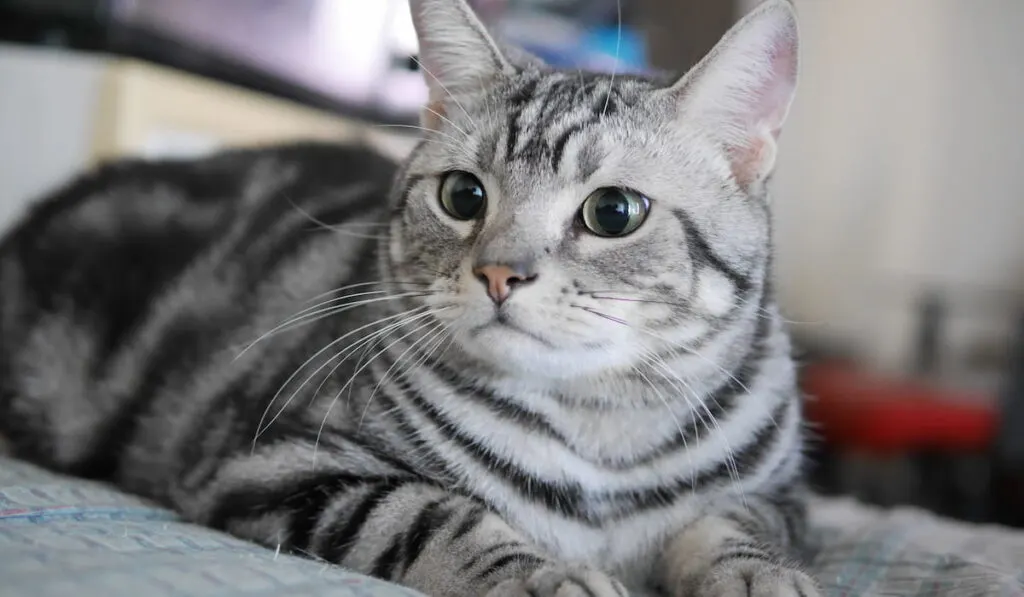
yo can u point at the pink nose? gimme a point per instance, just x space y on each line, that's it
500 280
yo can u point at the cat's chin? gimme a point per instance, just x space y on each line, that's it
519 351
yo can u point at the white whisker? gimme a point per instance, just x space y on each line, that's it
675 419
442 86
734 473
318 314
662 369
439 328
366 342
448 120
618 56
361 285
356 373
455 140
260 429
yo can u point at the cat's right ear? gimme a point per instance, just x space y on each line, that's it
456 54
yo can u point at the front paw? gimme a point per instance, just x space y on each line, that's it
751 578
560 580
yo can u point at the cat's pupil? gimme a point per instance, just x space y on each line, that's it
612 212
463 195
467 198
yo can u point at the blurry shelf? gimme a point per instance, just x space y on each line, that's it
88 26
62 111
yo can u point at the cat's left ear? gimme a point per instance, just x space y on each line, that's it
456 53
740 93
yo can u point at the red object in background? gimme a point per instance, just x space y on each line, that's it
860 411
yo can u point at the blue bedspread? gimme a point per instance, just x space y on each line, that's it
64 537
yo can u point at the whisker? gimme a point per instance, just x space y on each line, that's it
734 473
697 354
322 313
455 140
448 144
426 356
675 419
603 315
637 300
367 342
363 285
694 353
448 120
454 99
618 55
260 429
324 303
356 373
487 103
350 192
439 328
662 369
761 312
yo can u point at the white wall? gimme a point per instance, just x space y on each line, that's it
48 106
903 166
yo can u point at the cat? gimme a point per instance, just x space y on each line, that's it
540 356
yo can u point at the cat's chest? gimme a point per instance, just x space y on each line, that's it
569 479
564 438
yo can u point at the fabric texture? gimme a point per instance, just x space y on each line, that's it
62 536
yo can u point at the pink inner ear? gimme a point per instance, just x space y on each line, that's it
748 160
767 108
432 114
776 90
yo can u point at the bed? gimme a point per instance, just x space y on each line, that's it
62 537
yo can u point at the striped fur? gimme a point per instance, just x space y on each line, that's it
289 344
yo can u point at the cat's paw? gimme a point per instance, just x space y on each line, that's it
750 578
561 580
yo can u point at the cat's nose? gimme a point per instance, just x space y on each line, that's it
500 279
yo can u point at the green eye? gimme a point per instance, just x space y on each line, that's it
614 212
463 195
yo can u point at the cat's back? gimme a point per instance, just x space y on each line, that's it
137 258
115 235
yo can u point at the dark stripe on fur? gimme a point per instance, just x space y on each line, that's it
387 562
516 104
432 518
342 534
703 254
488 552
568 498
723 400
517 560
469 522
501 406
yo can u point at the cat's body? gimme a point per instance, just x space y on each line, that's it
481 386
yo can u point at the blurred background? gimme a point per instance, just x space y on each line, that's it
899 194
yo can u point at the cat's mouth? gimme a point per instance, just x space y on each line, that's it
502 321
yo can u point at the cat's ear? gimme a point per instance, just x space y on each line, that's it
456 54
742 90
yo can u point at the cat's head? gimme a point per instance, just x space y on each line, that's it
570 223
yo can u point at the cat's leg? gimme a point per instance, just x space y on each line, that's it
373 515
743 548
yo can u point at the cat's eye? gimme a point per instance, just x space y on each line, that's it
614 211
463 195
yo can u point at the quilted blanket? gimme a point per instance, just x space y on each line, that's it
61 537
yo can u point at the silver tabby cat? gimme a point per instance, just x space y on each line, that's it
541 357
